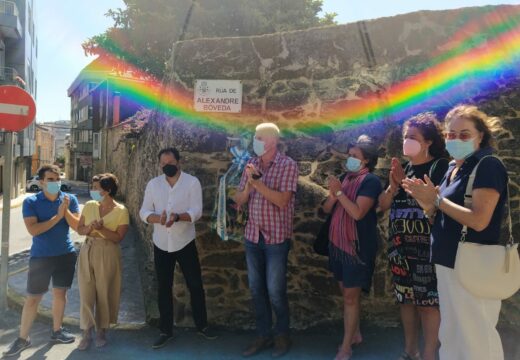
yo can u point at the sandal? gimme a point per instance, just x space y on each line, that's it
357 340
84 343
343 355
406 356
101 339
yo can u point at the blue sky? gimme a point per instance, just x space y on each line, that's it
63 25
354 10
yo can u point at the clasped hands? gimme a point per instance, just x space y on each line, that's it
334 186
253 176
167 220
62 209
95 225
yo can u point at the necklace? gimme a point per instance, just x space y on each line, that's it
103 210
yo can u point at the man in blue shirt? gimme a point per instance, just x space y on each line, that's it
48 215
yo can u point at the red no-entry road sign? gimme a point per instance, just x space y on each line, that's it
17 108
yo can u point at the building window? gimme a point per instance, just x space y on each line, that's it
96 148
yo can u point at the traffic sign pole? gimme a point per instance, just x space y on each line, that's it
6 216
17 111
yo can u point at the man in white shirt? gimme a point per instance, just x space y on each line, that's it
172 203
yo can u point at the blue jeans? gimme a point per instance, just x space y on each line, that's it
267 274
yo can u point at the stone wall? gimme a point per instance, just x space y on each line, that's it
294 78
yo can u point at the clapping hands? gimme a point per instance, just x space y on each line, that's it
167 220
334 185
425 192
62 209
397 175
170 221
95 225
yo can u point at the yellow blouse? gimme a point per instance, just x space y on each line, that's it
116 217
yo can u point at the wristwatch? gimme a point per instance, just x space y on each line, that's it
176 218
437 202
339 193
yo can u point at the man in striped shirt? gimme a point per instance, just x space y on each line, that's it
268 185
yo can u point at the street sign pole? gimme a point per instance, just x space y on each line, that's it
17 111
6 215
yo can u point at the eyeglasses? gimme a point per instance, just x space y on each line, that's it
464 136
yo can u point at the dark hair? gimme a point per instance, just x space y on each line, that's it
431 130
51 168
170 150
108 182
368 149
483 123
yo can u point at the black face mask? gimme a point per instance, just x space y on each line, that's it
170 170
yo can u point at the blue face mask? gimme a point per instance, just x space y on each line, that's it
353 164
96 195
258 147
53 187
459 149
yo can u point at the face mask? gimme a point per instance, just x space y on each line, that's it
258 147
353 164
170 170
96 195
411 147
459 149
53 187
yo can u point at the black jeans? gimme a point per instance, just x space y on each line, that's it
165 262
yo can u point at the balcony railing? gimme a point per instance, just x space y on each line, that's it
81 140
83 147
8 8
9 76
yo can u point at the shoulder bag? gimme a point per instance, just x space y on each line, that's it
487 271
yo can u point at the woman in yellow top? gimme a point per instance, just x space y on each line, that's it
105 223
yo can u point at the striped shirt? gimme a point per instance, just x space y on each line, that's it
275 224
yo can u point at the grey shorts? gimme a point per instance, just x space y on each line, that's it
58 268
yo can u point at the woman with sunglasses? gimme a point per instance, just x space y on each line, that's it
468 323
105 223
353 234
413 274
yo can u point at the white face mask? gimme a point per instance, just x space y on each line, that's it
258 147
353 165
96 195
459 149
53 187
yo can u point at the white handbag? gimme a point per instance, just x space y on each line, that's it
487 271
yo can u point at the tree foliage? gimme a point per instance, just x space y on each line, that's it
144 31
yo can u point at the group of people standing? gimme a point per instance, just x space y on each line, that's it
427 214
426 202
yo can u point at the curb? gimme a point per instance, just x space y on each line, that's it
16 301
15 203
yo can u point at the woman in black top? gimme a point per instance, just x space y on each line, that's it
413 274
468 325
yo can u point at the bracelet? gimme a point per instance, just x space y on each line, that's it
393 193
430 217
437 202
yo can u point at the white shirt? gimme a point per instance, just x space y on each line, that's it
184 197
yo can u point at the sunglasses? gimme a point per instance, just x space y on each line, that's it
464 136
